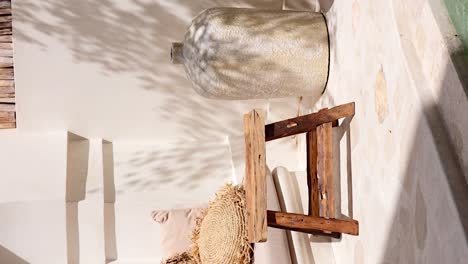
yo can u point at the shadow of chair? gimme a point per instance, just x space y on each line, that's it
6 256
76 175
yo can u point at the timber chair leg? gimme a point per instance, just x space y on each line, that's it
312 179
321 212
325 169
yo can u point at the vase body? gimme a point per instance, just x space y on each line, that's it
239 53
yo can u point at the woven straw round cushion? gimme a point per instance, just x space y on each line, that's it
220 235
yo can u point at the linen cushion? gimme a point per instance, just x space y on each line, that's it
176 229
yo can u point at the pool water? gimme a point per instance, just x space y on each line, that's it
458 11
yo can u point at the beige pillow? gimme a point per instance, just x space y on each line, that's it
176 229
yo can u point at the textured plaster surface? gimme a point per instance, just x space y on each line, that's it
402 161
403 182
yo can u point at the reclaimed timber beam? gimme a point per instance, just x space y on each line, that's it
312 180
255 176
307 223
325 169
306 123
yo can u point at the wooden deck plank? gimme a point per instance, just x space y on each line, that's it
6 38
5 4
5 25
5 11
7 125
5 31
6 73
8 46
4 107
7 84
255 176
7 91
5 18
7 117
9 100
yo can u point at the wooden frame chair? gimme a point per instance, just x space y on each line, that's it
321 216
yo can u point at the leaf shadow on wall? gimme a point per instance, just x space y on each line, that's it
182 167
134 37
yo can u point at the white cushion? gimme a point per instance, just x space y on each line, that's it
276 249
289 192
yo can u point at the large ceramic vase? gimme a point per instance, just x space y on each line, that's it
239 53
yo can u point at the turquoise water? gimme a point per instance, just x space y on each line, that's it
458 11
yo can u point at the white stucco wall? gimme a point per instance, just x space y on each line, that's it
102 70
105 211
33 167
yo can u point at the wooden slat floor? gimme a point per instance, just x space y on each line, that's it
7 73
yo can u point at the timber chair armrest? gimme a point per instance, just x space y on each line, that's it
321 216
